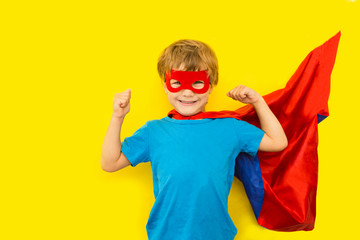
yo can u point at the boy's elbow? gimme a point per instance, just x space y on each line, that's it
113 166
284 143
273 145
279 145
107 167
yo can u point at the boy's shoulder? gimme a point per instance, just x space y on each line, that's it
168 120
155 122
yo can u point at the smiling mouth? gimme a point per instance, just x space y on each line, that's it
187 102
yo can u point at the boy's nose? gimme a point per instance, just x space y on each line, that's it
187 92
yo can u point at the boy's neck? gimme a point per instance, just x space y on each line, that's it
176 115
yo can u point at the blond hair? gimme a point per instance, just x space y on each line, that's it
191 55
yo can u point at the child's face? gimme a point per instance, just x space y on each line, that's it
186 102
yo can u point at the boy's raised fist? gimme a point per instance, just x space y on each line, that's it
244 94
121 104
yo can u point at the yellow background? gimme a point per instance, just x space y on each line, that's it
63 61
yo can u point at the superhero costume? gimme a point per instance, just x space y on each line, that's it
281 186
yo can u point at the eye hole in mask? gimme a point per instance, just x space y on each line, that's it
196 81
199 84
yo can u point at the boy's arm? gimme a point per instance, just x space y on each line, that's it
112 159
274 139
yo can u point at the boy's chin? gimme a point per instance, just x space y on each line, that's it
188 113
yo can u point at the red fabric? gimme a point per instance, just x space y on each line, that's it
290 177
187 79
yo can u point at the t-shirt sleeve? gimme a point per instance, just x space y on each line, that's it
249 136
136 147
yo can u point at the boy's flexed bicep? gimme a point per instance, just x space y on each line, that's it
269 145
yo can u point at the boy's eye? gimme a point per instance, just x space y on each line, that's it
198 84
174 83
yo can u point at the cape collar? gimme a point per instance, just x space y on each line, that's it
219 114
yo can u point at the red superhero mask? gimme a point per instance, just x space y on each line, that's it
196 81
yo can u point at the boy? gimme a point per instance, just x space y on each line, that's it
192 161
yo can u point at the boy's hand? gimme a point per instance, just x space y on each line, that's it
121 104
244 94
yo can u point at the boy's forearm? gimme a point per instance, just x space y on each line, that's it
111 147
269 123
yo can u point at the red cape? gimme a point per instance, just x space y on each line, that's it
281 186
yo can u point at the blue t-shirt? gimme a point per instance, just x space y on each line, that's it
193 163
